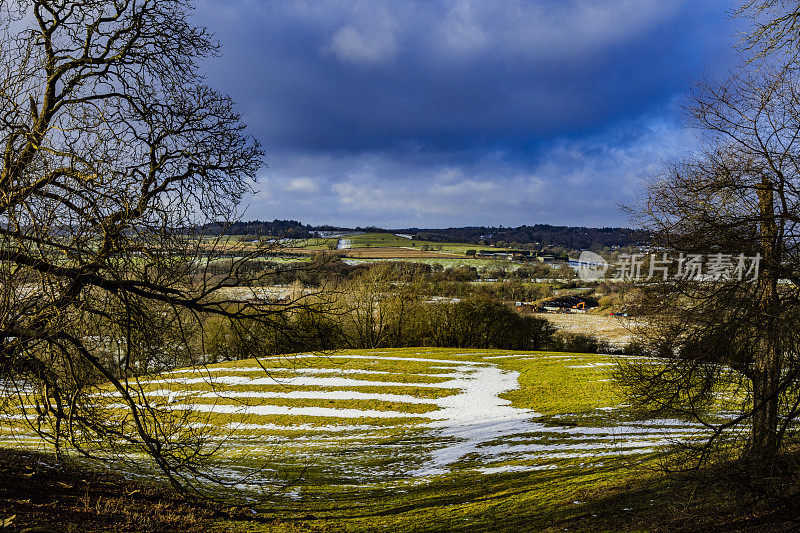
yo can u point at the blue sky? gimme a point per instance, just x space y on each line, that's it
463 112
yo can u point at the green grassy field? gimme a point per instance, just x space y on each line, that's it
383 240
480 264
410 439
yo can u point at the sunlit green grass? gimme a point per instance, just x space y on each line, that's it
553 383
367 473
381 240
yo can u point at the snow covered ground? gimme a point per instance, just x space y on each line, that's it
401 415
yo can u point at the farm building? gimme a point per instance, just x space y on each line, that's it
570 304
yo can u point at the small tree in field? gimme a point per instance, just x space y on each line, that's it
112 151
375 306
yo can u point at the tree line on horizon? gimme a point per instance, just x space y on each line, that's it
543 235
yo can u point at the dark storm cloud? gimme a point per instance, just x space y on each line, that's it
461 112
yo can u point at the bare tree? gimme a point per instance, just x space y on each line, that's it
731 342
375 306
113 151
775 28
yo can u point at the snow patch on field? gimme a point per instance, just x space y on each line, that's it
297 381
515 468
475 416
280 410
591 365
241 426
526 355
247 369
321 395
389 358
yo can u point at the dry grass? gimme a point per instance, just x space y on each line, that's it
614 330
36 491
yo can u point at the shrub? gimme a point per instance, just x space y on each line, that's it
565 341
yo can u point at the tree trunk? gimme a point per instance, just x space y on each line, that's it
764 441
764 438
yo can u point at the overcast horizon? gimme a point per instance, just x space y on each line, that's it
462 113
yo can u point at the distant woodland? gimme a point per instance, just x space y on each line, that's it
541 235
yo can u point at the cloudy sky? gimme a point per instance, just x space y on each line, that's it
434 113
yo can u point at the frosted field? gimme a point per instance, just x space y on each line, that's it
390 419
617 331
